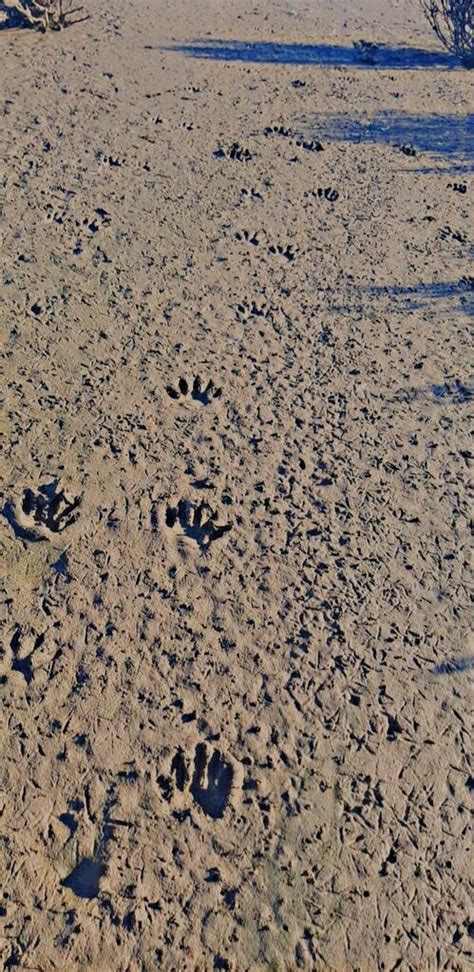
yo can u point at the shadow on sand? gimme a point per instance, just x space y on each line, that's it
454 665
362 54
455 392
449 137
459 295
10 19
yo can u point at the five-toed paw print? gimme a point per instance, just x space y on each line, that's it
330 195
197 521
197 390
43 514
209 777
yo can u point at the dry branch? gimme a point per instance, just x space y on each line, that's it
46 14
453 23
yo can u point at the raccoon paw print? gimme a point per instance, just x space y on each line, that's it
198 522
44 514
236 152
278 130
330 195
288 252
245 237
209 781
310 146
198 391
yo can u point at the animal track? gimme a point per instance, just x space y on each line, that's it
210 781
42 515
288 251
365 51
245 236
31 652
253 194
197 391
330 195
447 233
246 310
54 215
198 522
278 130
407 150
236 152
112 160
40 308
455 392
84 880
93 224
313 145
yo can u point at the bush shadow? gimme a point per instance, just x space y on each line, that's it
449 137
458 294
362 55
11 19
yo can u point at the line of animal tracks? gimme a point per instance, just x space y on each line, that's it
235 657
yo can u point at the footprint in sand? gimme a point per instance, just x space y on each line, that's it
44 514
114 161
330 195
246 310
197 522
278 130
288 252
408 150
210 779
447 233
53 215
311 145
85 878
31 652
244 236
236 152
197 391
95 222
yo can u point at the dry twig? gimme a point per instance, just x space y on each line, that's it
453 23
46 14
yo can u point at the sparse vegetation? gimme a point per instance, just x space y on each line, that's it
453 22
46 14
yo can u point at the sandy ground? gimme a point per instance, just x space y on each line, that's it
235 659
